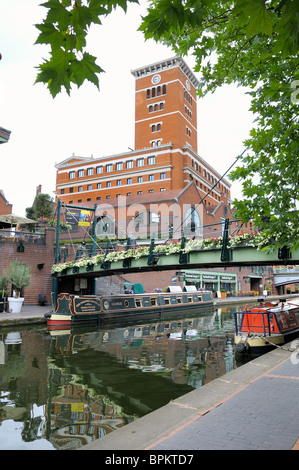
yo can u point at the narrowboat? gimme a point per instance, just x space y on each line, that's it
75 309
265 326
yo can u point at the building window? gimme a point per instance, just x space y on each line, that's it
119 166
89 187
129 181
150 190
99 169
129 194
187 96
108 184
139 192
108 197
150 109
109 168
118 183
71 190
129 164
99 185
140 179
156 127
151 160
72 175
162 176
80 189
152 92
140 162
151 178
79 200
62 191
162 189
80 173
156 143
89 171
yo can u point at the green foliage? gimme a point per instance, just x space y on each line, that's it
253 43
19 275
4 281
42 209
65 29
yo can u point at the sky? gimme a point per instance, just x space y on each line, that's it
46 131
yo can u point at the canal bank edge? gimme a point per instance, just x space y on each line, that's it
154 428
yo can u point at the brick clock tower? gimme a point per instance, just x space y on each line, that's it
165 105
165 157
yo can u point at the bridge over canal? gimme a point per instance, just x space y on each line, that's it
169 255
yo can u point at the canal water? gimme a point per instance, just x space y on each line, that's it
63 389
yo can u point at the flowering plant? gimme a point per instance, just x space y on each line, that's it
257 239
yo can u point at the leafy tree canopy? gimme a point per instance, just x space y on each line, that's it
64 29
253 43
42 207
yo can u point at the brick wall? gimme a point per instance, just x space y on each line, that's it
34 254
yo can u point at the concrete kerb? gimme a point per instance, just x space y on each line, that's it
30 314
145 432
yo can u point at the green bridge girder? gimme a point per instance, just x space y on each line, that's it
199 259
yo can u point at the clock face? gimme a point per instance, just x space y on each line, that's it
187 84
156 79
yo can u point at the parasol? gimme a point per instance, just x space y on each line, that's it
13 219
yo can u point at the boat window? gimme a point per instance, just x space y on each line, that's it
179 300
153 300
190 299
167 326
138 302
166 300
199 298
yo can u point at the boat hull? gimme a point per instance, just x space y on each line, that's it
71 309
265 327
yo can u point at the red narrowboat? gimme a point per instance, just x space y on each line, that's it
269 324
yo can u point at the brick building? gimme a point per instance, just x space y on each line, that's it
165 156
162 187
5 206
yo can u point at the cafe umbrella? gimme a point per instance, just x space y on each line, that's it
14 219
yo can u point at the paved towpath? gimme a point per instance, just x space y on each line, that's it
254 407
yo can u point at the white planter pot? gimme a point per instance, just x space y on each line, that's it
15 304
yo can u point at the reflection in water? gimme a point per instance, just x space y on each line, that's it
68 388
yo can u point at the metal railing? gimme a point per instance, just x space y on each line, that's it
12 236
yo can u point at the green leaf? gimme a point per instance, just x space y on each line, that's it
261 20
55 72
49 35
85 69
